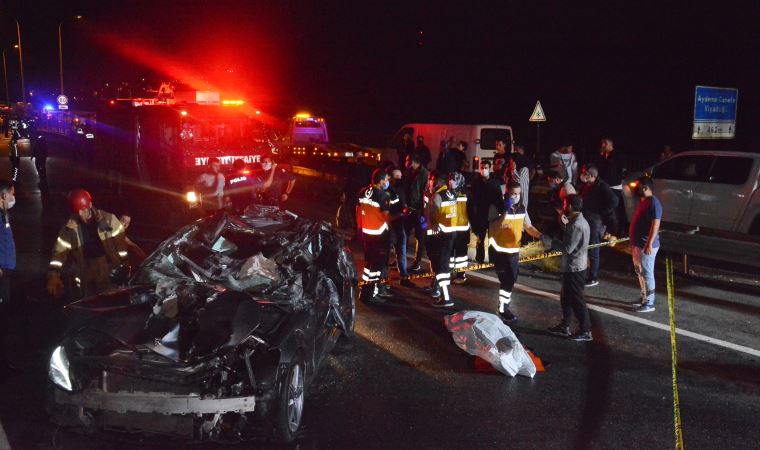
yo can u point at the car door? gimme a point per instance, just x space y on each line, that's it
719 202
675 181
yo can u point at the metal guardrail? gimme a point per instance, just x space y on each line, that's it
738 251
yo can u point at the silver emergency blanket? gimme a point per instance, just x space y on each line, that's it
486 336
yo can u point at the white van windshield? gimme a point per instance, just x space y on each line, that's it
489 136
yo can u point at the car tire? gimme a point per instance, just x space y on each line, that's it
349 299
290 402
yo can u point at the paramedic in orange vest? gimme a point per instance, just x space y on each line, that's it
458 259
504 244
372 222
441 218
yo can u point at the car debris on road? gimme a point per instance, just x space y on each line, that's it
217 335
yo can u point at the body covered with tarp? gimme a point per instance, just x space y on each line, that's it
218 333
486 336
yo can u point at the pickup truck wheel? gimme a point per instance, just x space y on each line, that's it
290 403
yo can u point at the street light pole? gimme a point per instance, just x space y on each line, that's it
60 50
5 77
60 56
20 61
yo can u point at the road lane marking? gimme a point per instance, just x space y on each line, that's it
622 315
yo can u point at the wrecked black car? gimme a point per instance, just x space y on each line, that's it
215 337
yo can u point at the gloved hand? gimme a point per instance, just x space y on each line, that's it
55 285
508 203
546 241
423 223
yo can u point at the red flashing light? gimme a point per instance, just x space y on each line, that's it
184 113
112 102
246 172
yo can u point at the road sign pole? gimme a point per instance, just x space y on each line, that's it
537 117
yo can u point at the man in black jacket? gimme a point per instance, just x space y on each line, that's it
611 169
422 151
404 149
483 193
599 204
397 213
415 184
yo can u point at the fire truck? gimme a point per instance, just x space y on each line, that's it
166 142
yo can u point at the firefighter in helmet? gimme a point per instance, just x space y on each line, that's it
89 247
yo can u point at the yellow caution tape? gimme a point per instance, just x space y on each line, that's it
674 353
522 260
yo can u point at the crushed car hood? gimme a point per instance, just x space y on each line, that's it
193 323
202 290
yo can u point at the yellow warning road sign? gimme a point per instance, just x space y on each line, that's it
538 114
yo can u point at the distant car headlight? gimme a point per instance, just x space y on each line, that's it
191 197
59 369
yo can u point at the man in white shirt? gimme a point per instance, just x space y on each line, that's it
211 186
563 161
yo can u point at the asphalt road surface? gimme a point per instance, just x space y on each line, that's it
402 383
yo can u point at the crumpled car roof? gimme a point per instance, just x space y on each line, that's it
202 289
263 252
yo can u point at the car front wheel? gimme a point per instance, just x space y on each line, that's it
291 400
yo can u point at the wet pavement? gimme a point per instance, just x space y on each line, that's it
402 383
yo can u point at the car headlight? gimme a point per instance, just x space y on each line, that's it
191 197
59 369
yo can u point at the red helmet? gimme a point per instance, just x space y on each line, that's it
80 199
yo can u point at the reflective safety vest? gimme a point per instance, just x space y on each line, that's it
463 220
505 236
445 218
372 204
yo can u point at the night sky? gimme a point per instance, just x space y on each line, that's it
622 69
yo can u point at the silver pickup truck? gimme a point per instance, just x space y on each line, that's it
709 189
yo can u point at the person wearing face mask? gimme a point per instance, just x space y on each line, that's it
277 183
599 207
7 262
372 217
441 217
505 233
397 212
415 190
458 259
558 191
90 245
574 248
478 204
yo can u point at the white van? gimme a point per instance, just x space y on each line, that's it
480 139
